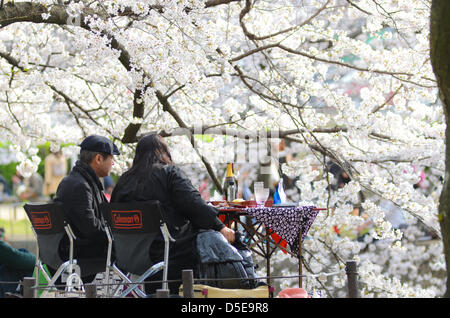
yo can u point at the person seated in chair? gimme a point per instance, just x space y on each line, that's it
81 193
153 176
15 264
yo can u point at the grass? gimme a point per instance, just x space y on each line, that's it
16 227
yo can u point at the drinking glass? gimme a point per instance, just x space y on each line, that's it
261 196
258 185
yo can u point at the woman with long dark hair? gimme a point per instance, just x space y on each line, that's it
153 176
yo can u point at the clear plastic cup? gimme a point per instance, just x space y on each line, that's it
261 196
258 185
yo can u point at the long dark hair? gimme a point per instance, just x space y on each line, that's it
151 150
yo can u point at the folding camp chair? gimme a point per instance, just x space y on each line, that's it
49 226
132 227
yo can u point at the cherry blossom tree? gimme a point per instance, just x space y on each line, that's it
440 50
345 81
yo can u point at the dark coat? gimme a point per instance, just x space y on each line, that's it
82 193
181 201
19 259
186 212
15 264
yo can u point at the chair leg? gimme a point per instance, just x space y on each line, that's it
165 284
37 266
167 239
121 275
108 259
133 289
43 271
40 269
124 278
51 282
106 280
150 272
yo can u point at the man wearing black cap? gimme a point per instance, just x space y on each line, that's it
82 193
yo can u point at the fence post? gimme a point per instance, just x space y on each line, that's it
28 290
188 283
91 290
162 293
352 279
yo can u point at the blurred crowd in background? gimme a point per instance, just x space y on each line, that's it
41 187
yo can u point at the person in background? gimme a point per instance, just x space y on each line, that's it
15 264
55 171
30 188
153 176
108 184
5 191
341 177
203 189
244 189
284 157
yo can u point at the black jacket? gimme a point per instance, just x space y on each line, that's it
182 202
185 210
82 193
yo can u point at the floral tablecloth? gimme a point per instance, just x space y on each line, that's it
286 222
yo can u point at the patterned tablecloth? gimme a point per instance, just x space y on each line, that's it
286 222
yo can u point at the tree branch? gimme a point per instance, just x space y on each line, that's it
213 3
168 108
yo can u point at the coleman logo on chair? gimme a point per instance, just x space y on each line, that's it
127 219
41 220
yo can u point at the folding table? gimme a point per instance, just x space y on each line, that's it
270 228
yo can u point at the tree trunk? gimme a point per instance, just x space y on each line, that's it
440 59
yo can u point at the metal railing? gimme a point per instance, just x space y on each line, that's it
188 282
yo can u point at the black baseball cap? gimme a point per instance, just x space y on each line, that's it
99 144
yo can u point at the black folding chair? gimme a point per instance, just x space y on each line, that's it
132 227
49 225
